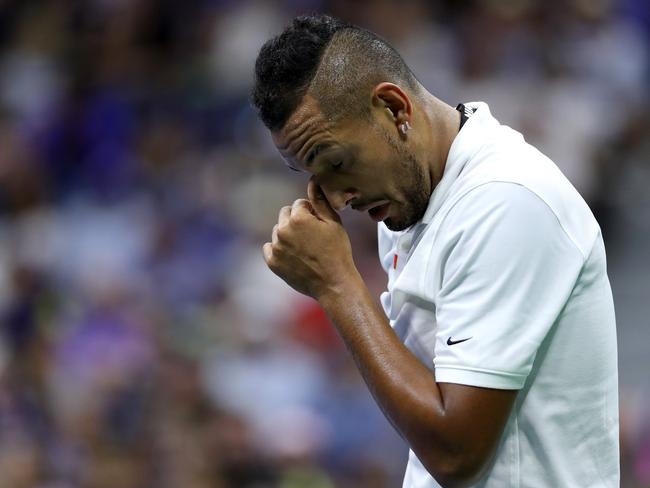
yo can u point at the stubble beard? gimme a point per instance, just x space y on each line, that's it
413 187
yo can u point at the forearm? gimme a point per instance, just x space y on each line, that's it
403 387
452 428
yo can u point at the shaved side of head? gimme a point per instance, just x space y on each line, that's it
354 62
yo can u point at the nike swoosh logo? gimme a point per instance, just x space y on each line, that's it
451 343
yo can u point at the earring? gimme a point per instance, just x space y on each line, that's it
404 127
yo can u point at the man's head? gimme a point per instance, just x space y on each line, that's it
336 98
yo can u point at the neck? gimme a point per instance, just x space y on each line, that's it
443 122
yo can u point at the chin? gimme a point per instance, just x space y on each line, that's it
397 224
402 222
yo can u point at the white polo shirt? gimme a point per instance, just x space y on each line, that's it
503 284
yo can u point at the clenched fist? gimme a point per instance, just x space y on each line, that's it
309 247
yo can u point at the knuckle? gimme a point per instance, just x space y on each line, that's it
267 253
272 255
282 233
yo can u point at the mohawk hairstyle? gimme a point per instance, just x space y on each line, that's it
336 62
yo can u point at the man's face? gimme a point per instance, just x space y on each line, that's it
362 163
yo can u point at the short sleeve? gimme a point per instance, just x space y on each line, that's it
507 270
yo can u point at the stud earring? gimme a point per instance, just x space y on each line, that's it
404 127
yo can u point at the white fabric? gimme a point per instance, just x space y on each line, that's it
509 257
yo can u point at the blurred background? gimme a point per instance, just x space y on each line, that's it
143 342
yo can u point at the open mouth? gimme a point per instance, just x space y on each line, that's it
379 212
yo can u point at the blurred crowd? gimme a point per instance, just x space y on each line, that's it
143 342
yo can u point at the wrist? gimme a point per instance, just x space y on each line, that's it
341 292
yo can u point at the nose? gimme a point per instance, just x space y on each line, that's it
339 199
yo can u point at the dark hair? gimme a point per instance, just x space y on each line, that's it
335 61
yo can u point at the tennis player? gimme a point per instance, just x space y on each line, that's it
495 353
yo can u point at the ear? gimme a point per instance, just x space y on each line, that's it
395 101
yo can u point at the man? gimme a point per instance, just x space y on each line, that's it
495 356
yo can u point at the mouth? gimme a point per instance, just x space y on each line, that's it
377 211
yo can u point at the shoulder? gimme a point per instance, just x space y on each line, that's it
498 225
495 203
508 171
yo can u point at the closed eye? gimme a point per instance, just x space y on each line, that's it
337 165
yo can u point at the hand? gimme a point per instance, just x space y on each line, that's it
309 247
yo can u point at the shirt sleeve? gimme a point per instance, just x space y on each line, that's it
508 268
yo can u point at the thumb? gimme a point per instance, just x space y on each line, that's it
320 204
